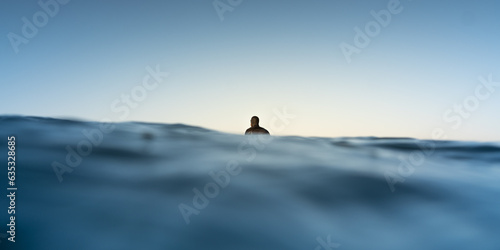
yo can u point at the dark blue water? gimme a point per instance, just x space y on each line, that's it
82 185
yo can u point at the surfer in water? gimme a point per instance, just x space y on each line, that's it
255 128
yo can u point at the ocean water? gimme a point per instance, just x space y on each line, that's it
85 185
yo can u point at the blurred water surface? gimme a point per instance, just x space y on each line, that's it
161 186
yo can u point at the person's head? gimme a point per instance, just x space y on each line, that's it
254 122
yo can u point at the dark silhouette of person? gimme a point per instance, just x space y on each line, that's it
255 128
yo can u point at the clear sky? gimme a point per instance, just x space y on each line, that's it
418 72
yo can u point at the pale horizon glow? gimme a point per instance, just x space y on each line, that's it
407 82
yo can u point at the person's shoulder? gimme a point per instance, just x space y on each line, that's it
259 130
264 130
